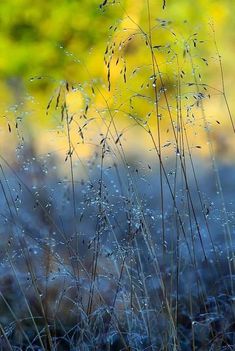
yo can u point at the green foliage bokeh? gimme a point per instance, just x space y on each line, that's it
36 37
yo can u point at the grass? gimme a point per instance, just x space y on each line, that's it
119 252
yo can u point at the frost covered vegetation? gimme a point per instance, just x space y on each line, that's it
123 251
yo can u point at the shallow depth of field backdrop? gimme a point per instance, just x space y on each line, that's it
117 175
66 40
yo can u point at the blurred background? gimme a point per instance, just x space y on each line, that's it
45 44
77 84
